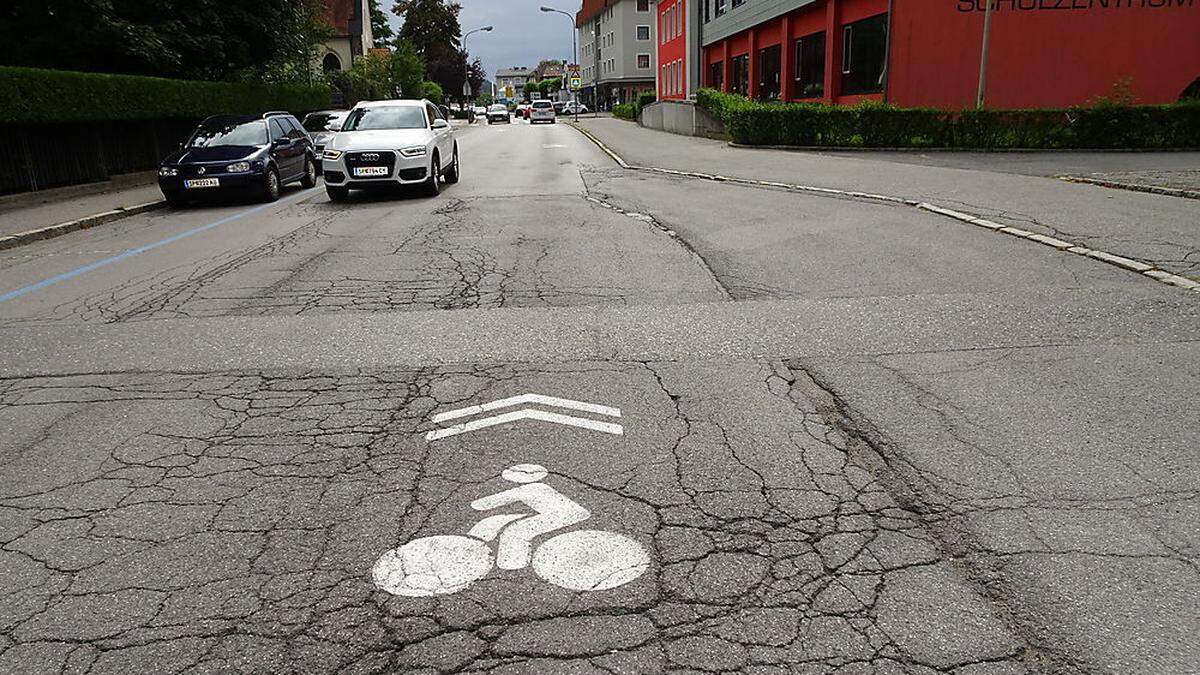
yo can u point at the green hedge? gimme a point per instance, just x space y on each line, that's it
643 99
872 124
625 111
29 95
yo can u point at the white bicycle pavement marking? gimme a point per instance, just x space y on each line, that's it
580 560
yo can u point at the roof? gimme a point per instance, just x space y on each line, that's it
512 72
590 10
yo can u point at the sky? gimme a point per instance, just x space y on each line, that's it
523 35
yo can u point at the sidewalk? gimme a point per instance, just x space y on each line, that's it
36 211
1162 231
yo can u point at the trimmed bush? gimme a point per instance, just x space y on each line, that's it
872 124
643 99
36 96
625 111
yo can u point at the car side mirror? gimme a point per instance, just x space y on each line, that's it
440 124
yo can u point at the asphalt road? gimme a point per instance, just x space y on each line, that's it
780 432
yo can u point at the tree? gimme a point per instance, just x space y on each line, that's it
193 39
408 69
433 92
381 29
432 27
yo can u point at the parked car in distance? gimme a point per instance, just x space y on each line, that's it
574 108
321 126
479 111
239 154
558 107
542 111
498 113
391 143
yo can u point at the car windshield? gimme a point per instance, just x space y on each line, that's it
229 133
542 104
391 117
322 122
499 108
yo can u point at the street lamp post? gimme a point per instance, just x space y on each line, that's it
574 56
467 65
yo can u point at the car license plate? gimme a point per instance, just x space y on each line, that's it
370 171
202 183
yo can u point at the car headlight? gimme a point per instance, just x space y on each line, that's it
238 167
415 151
332 155
167 171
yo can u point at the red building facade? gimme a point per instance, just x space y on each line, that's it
673 27
1043 53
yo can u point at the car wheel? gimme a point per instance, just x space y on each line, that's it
433 184
271 186
337 193
310 173
454 171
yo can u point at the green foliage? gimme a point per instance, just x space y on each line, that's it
625 111
485 99
873 124
29 95
433 92
227 40
644 99
408 68
369 79
432 27
381 30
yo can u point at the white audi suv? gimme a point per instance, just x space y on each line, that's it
389 143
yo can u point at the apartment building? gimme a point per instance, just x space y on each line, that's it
617 50
511 81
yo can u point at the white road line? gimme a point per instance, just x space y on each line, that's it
1045 240
524 399
527 414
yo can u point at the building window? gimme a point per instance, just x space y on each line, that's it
738 3
716 75
643 32
643 61
864 53
720 7
705 10
643 5
768 73
810 66
739 80
331 63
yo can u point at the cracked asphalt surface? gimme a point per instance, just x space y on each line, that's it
857 438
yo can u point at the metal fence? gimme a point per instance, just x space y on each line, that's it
41 156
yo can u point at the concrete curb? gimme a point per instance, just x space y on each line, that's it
52 231
1130 264
1133 187
945 150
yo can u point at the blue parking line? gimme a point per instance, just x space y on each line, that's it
12 295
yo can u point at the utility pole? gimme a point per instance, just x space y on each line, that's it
467 66
983 57
574 56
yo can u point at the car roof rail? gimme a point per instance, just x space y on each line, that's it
275 112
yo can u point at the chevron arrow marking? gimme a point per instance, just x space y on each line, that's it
526 414
524 399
